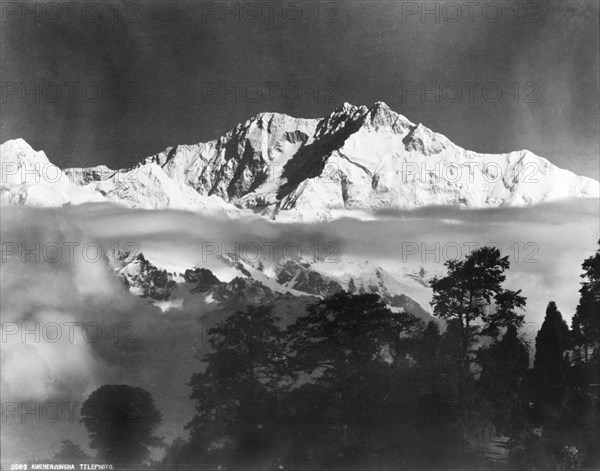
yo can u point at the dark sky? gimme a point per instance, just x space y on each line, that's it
159 68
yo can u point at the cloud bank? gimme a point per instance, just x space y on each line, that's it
142 346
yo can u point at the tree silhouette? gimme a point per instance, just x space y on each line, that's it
549 367
121 420
346 330
504 369
352 347
243 379
586 321
471 295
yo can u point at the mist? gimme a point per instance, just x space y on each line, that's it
142 346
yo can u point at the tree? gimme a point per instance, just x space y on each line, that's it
435 355
353 348
564 405
549 367
471 296
430 344
346 331
504 368
586 321
585 374
236 393
121 420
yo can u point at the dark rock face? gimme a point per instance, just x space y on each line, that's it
300 276
202 278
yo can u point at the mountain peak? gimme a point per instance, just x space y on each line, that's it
20 161
18 142
347 107
380 115
285 167
18 146
380 105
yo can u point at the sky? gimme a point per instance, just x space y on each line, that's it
115 81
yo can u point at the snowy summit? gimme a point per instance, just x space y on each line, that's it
357 158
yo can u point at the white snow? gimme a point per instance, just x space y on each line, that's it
349 163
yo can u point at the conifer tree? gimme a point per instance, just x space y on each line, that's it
472 297
549 366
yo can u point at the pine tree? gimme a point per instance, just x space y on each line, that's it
585 375
346 331
586 321
549 367
430 343
354 348
472 297
240 387
504 367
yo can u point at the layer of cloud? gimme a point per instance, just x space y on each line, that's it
546 245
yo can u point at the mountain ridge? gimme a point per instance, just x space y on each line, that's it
250 281
286 168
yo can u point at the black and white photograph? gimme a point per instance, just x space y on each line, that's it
300 235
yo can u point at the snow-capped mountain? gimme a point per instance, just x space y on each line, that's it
199 290
86 175
29 178
357 158
253 282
